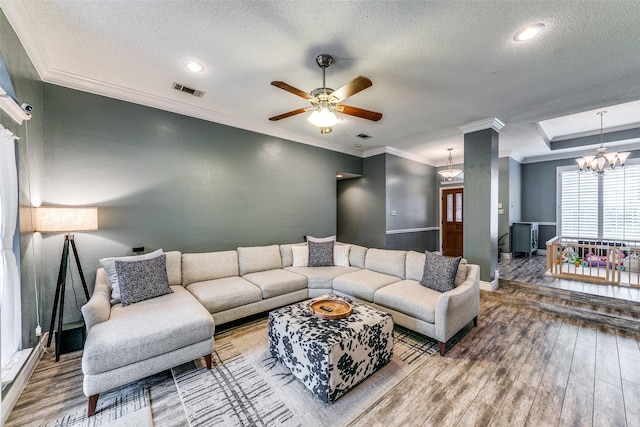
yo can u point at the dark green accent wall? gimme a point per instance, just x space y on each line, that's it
389 183
480 210
509 194
28 89
163 180
362 205
412 194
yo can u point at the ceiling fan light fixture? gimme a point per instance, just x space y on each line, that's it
323 118
326 130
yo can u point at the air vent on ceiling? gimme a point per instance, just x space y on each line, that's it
190 91
363 136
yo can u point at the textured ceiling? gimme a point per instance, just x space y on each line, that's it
434 65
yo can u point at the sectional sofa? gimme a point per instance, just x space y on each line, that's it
125 344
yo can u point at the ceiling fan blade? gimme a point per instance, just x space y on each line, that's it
289 114
351 88
358 112
291 89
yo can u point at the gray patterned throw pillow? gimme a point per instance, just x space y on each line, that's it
439 272
320 254
141 280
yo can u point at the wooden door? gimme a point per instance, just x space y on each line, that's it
452 221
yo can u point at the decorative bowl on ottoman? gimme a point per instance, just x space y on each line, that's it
330 356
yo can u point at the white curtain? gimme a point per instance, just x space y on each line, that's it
11 332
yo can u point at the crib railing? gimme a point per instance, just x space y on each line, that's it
612 263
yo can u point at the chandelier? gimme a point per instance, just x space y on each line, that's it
449 173
602 161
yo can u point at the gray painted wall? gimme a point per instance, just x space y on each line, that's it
162 180
362 205
411 193
504 198
389 183
509 194
419 241
28 89
515 191
480 210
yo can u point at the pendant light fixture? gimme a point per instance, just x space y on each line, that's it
449 173
602 161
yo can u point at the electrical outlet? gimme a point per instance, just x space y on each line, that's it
38 331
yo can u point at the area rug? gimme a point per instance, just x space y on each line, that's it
248 387
125 409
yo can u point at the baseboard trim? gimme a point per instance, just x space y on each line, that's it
489 286
21 380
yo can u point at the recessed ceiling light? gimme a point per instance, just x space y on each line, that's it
194 66
528 32
358 145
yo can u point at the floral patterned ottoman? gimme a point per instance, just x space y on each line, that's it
331 356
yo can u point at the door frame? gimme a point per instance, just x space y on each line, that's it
448 187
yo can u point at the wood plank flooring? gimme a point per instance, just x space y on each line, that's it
519 367
532 270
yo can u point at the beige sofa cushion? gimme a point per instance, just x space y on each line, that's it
362 284
199 267
286 253
259 258
321 277
174 267
146 329
277 282
386 261
226 293
409 297
461 275
415 265
357 255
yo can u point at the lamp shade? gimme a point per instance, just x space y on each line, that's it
54 219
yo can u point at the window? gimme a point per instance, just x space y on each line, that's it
599 206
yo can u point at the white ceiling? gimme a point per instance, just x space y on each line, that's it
435 65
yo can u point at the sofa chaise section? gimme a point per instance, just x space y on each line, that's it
125 344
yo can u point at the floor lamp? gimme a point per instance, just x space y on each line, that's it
54 219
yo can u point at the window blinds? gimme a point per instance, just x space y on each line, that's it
600 206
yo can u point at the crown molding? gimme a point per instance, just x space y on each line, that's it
16 13
18 17
513 154
491 123
398 153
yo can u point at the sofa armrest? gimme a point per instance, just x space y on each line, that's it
458 307
98 308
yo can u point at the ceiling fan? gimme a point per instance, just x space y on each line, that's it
325 102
